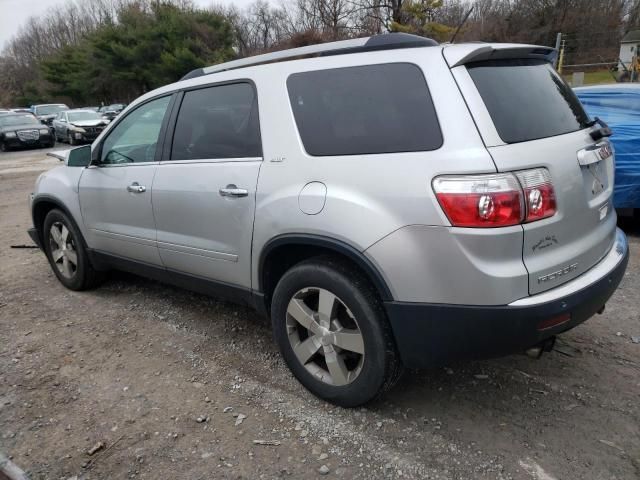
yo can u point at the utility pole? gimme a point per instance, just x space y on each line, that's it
558 42
561 57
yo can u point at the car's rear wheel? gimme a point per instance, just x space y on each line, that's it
333 333
67 253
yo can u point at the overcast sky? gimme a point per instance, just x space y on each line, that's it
13 13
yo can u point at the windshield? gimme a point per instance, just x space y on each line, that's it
50 109
80 116
527 99
10 120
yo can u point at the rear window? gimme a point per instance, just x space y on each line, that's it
364 110
527 99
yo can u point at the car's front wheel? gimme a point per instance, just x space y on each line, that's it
66 252
333 333
3 146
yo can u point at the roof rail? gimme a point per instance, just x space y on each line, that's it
385 41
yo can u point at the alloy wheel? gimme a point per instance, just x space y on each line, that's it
63 250
325 336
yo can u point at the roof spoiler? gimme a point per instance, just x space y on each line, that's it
457 55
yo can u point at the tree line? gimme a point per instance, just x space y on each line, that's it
94 51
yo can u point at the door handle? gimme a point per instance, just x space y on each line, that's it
135 187
232 191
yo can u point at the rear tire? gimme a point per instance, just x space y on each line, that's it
66 252
333 332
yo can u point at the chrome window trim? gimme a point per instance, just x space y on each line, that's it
213 160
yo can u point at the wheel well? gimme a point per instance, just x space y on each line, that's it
40 211
281 258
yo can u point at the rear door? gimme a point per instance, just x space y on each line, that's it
204 192
529 118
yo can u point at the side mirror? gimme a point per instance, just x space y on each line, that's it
76 157
80 157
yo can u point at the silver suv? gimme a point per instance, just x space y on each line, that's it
389 202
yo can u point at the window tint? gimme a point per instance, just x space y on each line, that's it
134 139
527 99
218 122
358 110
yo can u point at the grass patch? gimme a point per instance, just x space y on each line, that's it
598 77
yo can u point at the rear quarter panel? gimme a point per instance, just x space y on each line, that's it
368 196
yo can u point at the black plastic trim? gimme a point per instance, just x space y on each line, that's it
398 40
33 233
332 244
48 199
234 293
198 72
432 335
386 41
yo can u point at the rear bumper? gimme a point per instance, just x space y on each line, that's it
429 335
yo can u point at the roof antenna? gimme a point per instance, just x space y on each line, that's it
460 25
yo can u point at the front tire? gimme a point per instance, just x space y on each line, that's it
67 255
333 333
71 140
4 147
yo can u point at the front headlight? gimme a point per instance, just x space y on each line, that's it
10 135
44 131
73 128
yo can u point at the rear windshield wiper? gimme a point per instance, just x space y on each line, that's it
603 131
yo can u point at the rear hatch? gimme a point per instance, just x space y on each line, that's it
529 118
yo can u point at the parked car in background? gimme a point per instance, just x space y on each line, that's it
396 203
619 106
4 111
112 111
95 109
47 112
78 126
21 110
23 130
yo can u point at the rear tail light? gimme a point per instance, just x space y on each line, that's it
539 195
496 200
480 200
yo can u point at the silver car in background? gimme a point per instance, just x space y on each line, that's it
48 111
388 202
78 126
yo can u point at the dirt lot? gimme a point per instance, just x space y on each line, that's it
138 366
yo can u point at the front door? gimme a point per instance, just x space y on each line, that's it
204 193
115 194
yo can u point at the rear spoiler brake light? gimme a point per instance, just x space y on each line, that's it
456 55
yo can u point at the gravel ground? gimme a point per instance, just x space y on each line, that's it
163 383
